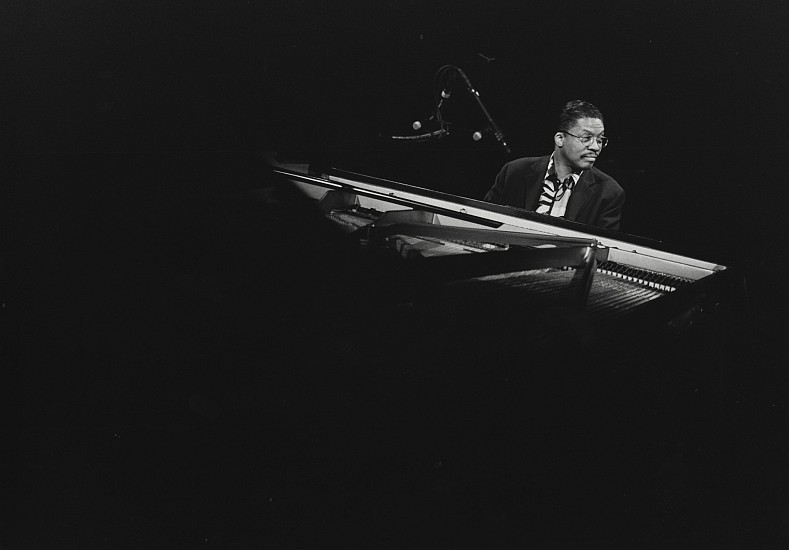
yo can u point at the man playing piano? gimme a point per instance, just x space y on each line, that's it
565 184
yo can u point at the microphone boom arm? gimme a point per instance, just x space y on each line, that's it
420 137
497 133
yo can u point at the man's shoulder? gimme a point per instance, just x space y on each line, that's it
526 163
601 177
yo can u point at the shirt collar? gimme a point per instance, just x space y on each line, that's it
552 172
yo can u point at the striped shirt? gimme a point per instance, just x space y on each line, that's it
555 195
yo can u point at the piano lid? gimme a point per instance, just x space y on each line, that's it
384 195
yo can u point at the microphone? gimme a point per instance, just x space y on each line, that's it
445 93
498 134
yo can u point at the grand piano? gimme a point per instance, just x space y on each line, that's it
474 374
460 261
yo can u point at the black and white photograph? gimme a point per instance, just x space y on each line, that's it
394 274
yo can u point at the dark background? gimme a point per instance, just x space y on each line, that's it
692 94
141 290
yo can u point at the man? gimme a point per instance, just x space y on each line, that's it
565 184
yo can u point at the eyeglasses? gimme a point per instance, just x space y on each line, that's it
586 141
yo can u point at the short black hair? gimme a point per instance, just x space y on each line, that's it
575 109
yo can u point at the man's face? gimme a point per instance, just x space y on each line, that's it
576 155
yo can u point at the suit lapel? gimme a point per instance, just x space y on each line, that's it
533 183
581 195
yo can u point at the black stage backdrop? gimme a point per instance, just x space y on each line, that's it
151 399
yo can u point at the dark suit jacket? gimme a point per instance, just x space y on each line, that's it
596 199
